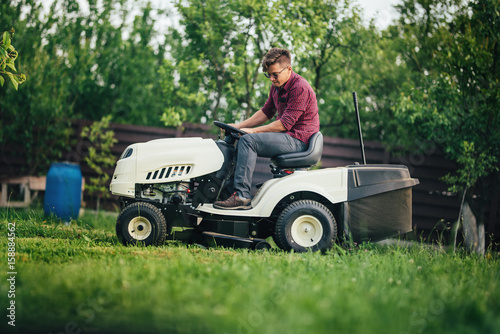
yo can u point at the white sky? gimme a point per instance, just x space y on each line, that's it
380 10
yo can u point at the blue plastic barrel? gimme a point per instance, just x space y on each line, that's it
63 191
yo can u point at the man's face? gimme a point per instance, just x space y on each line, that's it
279 74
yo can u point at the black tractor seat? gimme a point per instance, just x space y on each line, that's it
304 159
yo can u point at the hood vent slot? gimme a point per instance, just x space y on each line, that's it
169 172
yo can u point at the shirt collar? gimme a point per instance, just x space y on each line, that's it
289 82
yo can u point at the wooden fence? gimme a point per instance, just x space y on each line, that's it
434 208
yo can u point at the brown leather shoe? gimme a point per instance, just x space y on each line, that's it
233 203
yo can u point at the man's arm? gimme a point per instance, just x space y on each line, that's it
256 119
251 125
275 126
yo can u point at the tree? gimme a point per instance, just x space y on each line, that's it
99 157
34 123
82 65
453 98
216 57
330 45
456 93
217 54
108 71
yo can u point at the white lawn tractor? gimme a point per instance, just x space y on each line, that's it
167 187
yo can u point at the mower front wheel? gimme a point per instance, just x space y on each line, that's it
141 223
305 225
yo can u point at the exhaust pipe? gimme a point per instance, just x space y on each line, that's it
355 98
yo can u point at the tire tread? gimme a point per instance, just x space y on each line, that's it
159 225
282 222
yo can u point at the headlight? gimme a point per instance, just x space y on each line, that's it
128 152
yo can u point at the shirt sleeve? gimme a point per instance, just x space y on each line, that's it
269 109
296 106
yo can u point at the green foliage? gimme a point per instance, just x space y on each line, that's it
8 56
184 101
474 166
453 96
99 156
81 66
213 75
216 68
106 72
35 123
430 77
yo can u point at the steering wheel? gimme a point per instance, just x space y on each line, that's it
230 130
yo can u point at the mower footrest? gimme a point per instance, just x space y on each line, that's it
213 239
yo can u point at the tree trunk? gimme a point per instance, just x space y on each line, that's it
98 203
469 228
473 231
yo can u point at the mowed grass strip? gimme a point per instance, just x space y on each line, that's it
78 277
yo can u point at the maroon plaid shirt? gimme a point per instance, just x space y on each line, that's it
297 107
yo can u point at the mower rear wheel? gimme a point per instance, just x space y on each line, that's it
305 225
141 223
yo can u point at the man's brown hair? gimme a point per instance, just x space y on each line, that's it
276 55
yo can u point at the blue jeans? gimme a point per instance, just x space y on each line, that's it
268 145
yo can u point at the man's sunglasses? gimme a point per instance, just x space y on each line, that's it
274 75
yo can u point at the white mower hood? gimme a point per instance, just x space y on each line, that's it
164 160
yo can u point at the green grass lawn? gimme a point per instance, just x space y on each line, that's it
78 279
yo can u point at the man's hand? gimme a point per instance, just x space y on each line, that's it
248 130
254 124
275 126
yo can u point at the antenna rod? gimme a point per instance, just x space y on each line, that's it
355 98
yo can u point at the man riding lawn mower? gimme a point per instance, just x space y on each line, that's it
202 186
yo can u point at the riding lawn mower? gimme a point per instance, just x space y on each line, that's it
167 188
